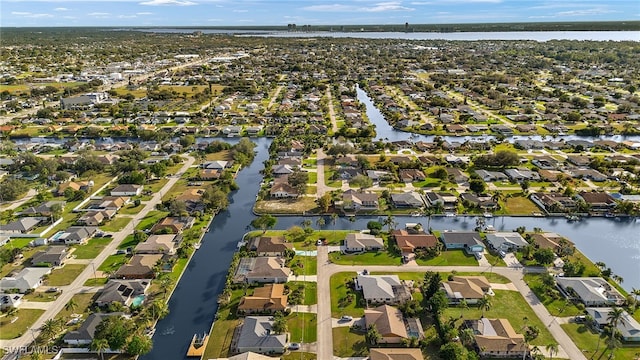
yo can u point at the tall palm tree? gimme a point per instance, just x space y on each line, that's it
485 304
99 346
615 317
158 310
165 284
463 306
320 222
71 306
552 349
466 337
49 329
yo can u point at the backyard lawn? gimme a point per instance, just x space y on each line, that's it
91 249
297 321
12 327
227 321
556 307
304 265
589 341
151 219
349 343
310 292
65 275
41 296
450 258
113 262
368 258
520 205
82 301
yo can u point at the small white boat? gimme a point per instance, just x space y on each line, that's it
488 215
196 246
450 215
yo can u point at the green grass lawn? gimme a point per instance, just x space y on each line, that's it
83 301
339 291
219 344
520 205
368 258
310 293
96 281
304 265
419 276
151 219
450 258
512 306
65 275
113 262
297 321
19 243
556 307
41 297
348 343
313 178
116 224
128 241
131 209
91 249
587 339
156 185
24 318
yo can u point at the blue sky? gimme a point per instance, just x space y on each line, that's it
302 12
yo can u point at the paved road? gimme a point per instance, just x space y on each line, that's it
274 97
77 286
568 350
332 113
15 204
321 185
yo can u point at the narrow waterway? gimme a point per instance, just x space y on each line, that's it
194 301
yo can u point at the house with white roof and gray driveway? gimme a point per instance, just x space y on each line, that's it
506 241
591 291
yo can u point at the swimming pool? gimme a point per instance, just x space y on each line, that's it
56 236
137 301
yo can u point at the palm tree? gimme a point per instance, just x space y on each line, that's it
390 223
49 329
485 304
552 349
463 306
165 284
615 317
612 341
466 337
99 346
158 310
71 306
372 336
320 222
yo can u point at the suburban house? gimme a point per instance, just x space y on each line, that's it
491 175
411 175
506 241
74 185
139 267
114 203
522 174
548 240
77 235
469 241
216 164
10 300
270 245
469 288
84 334
408 242
481 201
553 202
263 269
395 354
248 356
44 209
96 218
446 201
410 199
496 338
256 335
391 324
53 256
21 225
628 326
267 299
209 174
159 244
127 190
282 190
174 225
598 201
354 200
383 289
122 291
359 242
591 291
27 279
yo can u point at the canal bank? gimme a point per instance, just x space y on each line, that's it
193 303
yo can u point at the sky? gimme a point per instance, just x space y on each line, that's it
24 13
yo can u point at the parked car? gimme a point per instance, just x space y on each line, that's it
502 254
346 318
294 346
580 319
53 290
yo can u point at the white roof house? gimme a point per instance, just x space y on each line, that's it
28 278
629 327
506 241
382 289
362 242
592 291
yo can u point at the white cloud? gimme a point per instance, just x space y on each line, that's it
168 2
240 11
144 13
127 16
377 7
26 14
584 12
444 2
60 9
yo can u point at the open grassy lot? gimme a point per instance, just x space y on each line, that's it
519 205
41 297
418 277
304 265
299 323
589 341
510 305
65 275
339 292
128 241
96 281
92 248
82 301
368 258
556 307
10 329
131 209
24 88
349 343
310 293
113 262
286 206
450 258
116 224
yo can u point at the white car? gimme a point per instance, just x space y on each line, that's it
346 318
294 346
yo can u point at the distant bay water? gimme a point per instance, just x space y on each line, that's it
453 36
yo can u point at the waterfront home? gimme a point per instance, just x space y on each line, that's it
267 299
447 201
249 356
159 244
10 300
378 175
469 241
54 256
456 175
209 174
496 338
270 245
392 325
84 334
263 269
139 267
548 240
409 199
27 279
408 242
469 288
282 190
174 224
122 291
21 225
591 291
506 241
77 235
355 200
628 326
127 190
553 202
395 354
598 201
256 335
359 242
481 201
383 289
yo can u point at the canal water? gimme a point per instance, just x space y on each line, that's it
194 301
